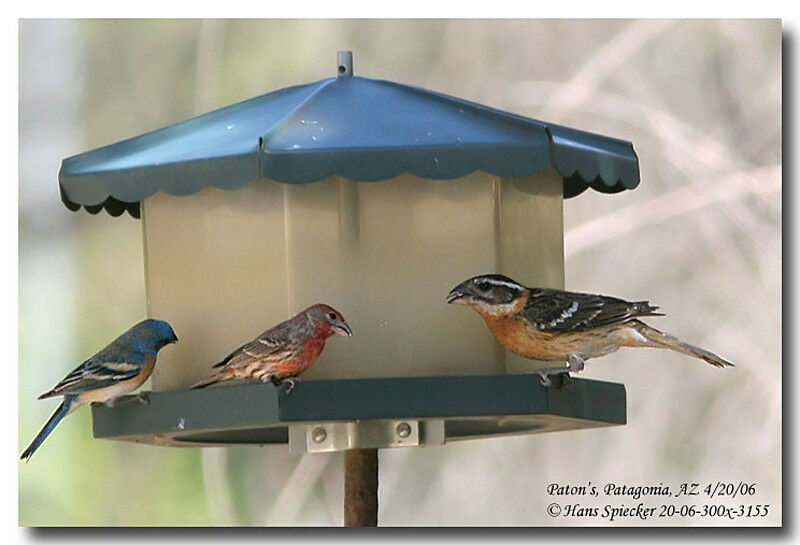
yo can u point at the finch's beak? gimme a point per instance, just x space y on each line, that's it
459 296
174 339
343 330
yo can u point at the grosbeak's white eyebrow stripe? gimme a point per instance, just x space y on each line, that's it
501 283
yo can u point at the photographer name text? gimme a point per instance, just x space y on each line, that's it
634 502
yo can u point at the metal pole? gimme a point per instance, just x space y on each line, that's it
361 487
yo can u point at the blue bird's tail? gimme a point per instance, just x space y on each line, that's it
66 407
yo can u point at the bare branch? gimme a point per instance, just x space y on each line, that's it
684 200
604 62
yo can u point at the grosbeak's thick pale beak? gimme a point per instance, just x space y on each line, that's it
343 330
459 296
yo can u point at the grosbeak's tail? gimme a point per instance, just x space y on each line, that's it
644 308
69 404
664 340
213 379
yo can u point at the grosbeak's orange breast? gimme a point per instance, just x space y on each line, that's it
519 336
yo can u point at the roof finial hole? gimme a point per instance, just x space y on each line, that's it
344 60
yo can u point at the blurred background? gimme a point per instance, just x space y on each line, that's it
701 237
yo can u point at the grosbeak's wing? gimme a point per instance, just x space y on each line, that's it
556 310
276 344
113 364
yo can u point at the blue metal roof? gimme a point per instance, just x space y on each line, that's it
360 128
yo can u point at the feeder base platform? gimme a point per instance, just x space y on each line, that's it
329 415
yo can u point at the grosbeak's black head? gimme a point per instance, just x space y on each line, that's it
491 293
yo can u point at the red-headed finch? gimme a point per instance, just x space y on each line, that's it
282 353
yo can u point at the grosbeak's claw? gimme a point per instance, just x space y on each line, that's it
143 398
544 380
565 381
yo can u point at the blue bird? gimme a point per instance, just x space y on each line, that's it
116 370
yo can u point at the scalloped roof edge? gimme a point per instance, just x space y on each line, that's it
376 130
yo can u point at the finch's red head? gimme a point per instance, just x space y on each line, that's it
492 294
330 319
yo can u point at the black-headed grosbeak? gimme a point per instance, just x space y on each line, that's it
556 325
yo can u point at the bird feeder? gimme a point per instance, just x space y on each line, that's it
375 198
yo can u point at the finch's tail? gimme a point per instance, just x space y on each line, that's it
69 404
213 379
660 339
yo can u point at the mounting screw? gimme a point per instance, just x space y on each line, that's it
319 435
403 429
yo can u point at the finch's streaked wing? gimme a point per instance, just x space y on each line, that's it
276 344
